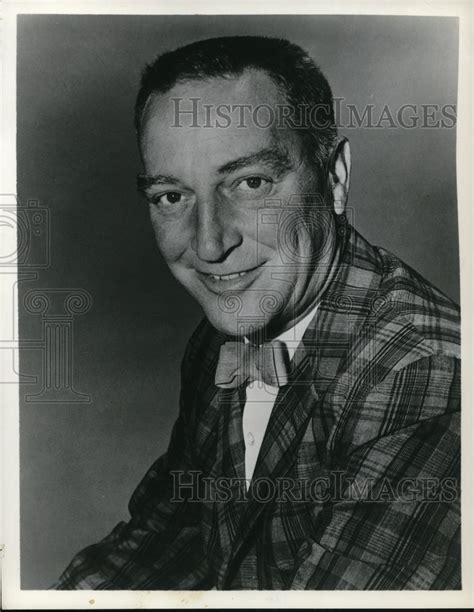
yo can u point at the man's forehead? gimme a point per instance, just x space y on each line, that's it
205 96
187 123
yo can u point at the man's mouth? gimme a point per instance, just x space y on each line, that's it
235 280
226 277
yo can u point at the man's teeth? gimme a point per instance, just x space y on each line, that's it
225 277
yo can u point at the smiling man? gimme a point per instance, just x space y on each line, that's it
317 443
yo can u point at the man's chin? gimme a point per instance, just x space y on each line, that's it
235 326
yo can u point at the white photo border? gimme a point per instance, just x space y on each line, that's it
13 595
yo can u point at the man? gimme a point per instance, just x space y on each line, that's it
317 443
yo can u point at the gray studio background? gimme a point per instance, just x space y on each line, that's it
77 80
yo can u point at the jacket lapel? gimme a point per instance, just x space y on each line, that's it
324 348
228 473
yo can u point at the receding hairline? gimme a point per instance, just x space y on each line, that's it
246 72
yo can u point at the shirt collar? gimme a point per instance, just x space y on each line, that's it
292 337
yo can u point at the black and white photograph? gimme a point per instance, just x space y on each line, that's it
232 276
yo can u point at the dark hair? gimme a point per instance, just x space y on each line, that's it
295 73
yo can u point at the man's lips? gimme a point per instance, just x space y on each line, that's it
230 275
234 280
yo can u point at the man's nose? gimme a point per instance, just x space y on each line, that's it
215 234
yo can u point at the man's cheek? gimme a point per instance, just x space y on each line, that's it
267 239
321 238
171 244
167 250
310 240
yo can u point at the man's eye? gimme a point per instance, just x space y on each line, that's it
254 182
172 197
254 185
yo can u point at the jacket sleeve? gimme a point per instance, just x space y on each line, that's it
395 523
160 546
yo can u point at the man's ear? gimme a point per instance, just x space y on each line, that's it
339 174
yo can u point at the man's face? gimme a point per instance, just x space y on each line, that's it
235 209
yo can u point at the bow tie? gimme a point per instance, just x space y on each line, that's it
241 363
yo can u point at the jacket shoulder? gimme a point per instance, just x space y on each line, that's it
408 298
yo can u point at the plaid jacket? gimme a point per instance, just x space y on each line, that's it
357 480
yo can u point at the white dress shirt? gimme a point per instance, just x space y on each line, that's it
260 399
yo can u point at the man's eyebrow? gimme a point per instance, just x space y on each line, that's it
277 158
145 181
